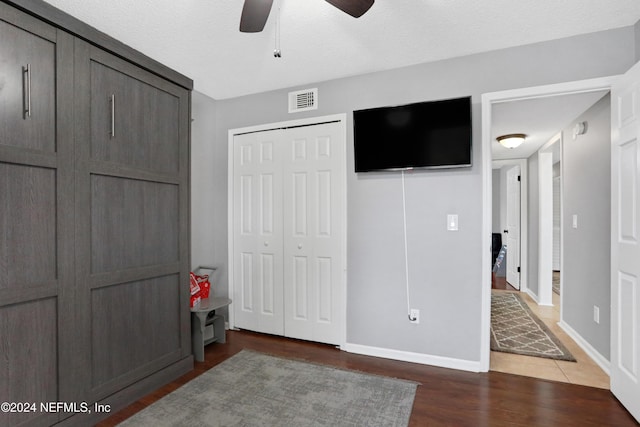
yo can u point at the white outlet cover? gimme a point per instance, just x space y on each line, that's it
415 314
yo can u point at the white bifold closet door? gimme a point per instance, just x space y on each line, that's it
258 233
288 232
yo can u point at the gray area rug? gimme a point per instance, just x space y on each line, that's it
255 389
516 329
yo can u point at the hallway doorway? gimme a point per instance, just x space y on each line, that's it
542 246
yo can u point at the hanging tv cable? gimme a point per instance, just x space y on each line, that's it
406 252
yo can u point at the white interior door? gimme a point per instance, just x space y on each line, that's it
313 230
625 245
512 232
556 224
257 231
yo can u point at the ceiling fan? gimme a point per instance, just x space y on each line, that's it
256 12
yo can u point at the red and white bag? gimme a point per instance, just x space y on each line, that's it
204 284
194 287
199 286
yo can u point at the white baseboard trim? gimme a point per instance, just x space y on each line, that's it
407 356
591 352
533 296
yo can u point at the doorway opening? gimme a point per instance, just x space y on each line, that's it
542 240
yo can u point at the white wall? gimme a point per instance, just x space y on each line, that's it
445 267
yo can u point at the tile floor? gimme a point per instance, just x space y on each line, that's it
584 372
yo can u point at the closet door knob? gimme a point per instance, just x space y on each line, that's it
266 244
299 245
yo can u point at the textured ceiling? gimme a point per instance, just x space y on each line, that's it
200 38
539 118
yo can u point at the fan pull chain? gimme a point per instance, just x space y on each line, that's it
276 51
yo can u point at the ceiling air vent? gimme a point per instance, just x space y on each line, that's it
303 100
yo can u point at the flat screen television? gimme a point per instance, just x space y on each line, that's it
433 134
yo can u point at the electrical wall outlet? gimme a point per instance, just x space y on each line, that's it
596 314
415 316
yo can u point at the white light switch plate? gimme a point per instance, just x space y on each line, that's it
452 222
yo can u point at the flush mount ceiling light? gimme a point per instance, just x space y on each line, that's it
511 140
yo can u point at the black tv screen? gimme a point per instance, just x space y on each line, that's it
433 134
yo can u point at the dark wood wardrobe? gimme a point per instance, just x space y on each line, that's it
94 218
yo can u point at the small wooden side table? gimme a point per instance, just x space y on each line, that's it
206 325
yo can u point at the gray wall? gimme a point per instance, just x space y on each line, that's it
208 185
496 202
533 217
445 267
637 40
203 145
586 173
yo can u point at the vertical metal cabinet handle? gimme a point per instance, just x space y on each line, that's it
112 100
27 76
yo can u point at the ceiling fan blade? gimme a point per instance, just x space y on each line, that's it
355 8
254 15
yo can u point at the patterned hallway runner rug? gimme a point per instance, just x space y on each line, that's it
255 389
516 329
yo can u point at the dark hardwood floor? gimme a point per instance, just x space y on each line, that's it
498 282
445 397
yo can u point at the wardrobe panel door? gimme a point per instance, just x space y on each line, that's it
133 121
28 221
134 223
134 324
29 368
36 190
27 86
132 210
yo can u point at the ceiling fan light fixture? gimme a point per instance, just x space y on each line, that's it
511 140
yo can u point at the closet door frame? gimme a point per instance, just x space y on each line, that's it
342 120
